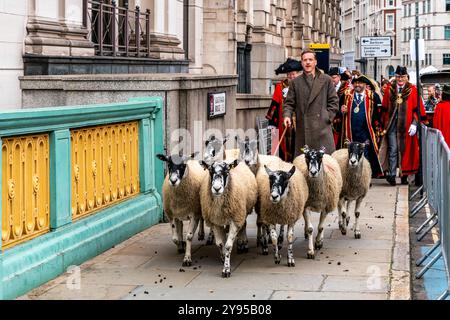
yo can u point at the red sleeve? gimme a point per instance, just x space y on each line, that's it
437 118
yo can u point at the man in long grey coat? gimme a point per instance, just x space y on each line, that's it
312 96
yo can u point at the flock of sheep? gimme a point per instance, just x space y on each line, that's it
223 192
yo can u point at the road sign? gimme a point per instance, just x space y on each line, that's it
375 52
376 41
376 47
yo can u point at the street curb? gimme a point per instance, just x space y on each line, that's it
400 280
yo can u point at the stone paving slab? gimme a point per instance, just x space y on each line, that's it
147 293
311 295
147 266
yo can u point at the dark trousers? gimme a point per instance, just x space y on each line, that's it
393 148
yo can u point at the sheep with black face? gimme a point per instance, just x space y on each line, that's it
282 193
323 175
250 155
227 196
181 199
356 177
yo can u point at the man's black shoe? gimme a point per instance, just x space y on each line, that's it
391 180
405 180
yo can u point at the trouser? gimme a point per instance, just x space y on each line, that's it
393 148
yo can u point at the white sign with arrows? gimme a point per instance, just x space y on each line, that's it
375 47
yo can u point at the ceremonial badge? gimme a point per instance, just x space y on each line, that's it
399 99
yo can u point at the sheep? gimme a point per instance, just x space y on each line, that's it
181 199
227 196
282 195
214 149
323 175
249 153
356 177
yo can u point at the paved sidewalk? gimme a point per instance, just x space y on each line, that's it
147 265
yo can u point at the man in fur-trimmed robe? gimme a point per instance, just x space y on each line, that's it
361 122
341 84
400 146
292 69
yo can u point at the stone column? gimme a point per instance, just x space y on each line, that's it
163 44
55 29
195 29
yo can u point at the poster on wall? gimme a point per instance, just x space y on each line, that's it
216 105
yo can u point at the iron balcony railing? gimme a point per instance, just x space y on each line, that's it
117 31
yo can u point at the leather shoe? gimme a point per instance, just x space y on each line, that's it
391 180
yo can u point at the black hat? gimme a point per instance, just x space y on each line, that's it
289 66
334 71
362 78
401 71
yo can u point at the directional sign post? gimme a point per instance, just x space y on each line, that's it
376 47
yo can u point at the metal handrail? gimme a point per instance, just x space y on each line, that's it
436 184
117 31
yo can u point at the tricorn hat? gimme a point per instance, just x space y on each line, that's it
401 71
289 66
362 78
334 71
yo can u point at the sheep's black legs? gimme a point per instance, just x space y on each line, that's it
179 229
210 239
219 234
281 237
309 231
242 240
342 216
320 231
274 237
177 236
193 223
234 230
201 230
356 227
290 239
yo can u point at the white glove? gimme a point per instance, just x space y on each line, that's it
412 130
285 92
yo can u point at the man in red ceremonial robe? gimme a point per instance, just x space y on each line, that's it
400 146
292 68
441 118
361 116
341 84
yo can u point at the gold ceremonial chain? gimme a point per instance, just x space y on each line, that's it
356 110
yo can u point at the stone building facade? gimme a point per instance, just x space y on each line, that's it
368 18
209 37
434 28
